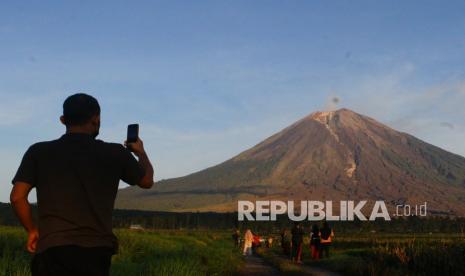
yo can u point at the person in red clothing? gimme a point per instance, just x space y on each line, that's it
255 243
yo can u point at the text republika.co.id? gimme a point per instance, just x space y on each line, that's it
311 210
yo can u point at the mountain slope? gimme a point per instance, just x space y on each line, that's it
338 155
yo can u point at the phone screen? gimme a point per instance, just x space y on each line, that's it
133 133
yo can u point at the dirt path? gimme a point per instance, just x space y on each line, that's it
317 271
256 266
312 270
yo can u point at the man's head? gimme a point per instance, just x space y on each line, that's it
81 112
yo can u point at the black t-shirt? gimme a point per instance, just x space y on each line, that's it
325 232
297 235
76 178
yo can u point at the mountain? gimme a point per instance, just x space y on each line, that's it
337 155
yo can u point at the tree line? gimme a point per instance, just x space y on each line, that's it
227 221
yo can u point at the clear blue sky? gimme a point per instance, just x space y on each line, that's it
208 79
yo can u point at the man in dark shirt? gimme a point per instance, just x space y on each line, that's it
297 242
76 178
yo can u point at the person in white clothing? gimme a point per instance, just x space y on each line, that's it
248 239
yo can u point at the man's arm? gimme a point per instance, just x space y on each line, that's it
22 208
147 180
138 149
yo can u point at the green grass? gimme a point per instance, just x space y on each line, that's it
384 254
14 260
179 252
143 253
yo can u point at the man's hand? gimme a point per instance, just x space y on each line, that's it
137 147
18 199
32 239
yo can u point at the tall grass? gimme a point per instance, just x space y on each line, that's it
175 253
14 260
421 257
142 253
387 254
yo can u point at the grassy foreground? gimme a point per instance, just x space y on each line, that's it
143 253
383 254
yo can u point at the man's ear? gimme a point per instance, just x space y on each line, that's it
62 119
96 120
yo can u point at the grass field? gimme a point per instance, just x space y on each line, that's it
143 253
179 252
384 254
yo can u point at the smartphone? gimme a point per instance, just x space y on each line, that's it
133 133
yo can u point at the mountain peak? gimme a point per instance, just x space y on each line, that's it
326 117
330 113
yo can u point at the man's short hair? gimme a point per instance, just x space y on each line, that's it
79 108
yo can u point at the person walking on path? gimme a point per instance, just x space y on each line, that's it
327 235
286 242
236 236
76 179
297 242
248 240
315 242
256 242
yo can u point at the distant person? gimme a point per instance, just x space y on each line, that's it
297 242
236 236
327 235
269 242
315 242
256 243
248 240
76 178
286 242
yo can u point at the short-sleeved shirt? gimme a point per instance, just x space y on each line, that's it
297 235
76 178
